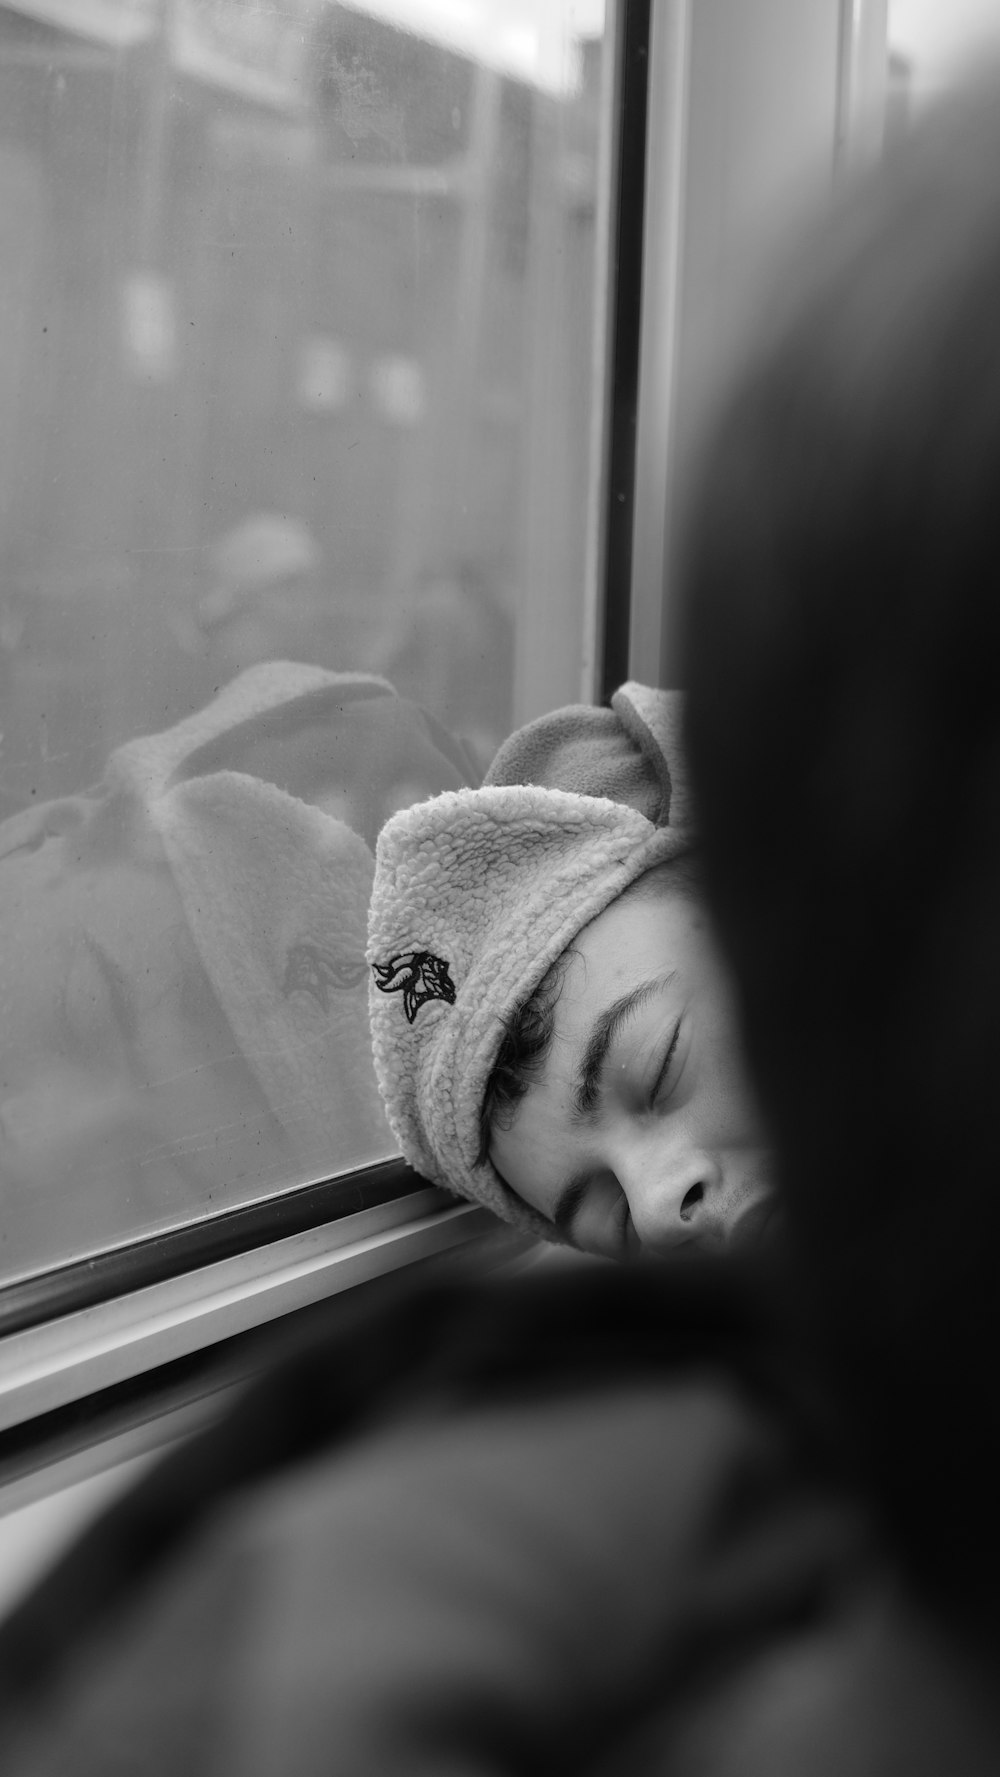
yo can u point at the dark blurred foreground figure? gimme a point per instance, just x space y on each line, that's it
677 1519
843 654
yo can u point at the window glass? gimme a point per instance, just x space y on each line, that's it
301 349
931 47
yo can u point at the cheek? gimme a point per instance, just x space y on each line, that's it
603 1225
507 1152
727 1101
530 1158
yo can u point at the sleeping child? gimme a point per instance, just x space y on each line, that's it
553 1033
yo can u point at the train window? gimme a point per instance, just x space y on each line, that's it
930 47
302 362
347 352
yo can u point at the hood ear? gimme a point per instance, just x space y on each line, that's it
256 700
629 753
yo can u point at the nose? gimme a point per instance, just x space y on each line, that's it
674 1199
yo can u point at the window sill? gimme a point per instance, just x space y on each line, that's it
65 1359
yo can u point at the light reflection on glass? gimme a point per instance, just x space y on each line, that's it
298 310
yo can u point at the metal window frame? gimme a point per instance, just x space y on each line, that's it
109 1320
863 81
638 99
79 1329
665 176
68 1416
643 647
102 1276
67 1358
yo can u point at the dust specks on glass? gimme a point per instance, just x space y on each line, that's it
300 344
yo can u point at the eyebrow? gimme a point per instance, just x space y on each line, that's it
588 1088
607 1028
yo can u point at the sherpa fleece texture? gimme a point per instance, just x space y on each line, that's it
476 894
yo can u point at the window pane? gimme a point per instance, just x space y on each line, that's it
932 48
301 335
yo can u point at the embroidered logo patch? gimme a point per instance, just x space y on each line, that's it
418 976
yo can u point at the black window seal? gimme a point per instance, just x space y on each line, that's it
625 339
84 1283
201 1379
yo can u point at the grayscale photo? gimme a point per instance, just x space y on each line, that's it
499 869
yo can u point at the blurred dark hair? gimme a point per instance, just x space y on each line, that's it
841 645
522 1054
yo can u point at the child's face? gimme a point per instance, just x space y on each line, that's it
641 1132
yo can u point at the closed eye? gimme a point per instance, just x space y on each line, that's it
662 1080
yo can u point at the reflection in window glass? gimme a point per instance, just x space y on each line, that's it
298 312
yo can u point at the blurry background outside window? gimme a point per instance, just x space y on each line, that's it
932 45
301 315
